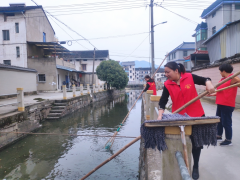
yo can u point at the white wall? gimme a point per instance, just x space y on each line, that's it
89 64
37 25
10 80
8 50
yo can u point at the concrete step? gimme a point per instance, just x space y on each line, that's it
52 118
58 107
56 111
54 114
60 104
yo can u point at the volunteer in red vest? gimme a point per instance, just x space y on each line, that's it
225 101
181 87
150 84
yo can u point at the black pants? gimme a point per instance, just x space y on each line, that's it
196 151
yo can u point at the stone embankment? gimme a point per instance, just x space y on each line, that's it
30 119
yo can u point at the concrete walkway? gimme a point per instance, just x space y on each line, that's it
29 100
221 163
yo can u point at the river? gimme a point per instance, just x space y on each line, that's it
70 157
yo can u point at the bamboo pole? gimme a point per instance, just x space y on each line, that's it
113 156
234 85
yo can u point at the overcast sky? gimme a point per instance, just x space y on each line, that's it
82 16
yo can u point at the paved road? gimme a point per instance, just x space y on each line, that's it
28 100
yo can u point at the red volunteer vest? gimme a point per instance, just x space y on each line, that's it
183 94
228 96
152 87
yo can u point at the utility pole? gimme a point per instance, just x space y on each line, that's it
152 39
93 66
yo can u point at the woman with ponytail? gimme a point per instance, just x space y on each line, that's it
181 87
150 84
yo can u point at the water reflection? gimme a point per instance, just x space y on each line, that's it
68 157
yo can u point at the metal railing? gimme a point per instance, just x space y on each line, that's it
1 105
182 166
8 94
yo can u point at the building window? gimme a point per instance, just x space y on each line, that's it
133 73
6 36
130 71
18 52
17 27
213 14
198 35
85 60
44 37
214 30
202 49
157 74
84 67
133 69
203 34
7 62
174 55
130 66
184 53
237 6
41 78
130 77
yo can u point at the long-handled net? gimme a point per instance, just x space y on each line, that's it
110 142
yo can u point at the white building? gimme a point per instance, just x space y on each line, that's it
20 24
83 61
129 68
220 13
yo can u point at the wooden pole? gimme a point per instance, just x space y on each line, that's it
113 156
234 85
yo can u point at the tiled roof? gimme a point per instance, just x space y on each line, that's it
203 25
184 46
17 9
196 52
215 5
99 54
4 66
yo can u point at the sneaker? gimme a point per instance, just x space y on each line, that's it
219 138
195 173
226 143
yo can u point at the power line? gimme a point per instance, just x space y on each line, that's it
67 33
137 47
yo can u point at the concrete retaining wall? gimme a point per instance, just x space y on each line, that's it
30 119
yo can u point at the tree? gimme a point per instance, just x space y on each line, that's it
114 75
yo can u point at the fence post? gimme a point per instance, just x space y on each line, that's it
148 94
154 103
81 89
64 92
74 90
99 87
20 99
94 88
88 89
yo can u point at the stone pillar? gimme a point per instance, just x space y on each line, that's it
20 99
81 89
99 87
88 89
94 88
74 90
64 92
154 100
148 94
